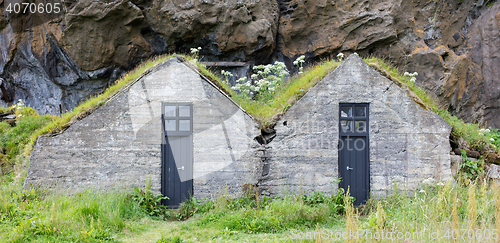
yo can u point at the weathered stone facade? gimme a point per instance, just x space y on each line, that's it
407 142
118 146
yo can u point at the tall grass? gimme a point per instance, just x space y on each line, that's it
30 216
276 216
351 224
451 211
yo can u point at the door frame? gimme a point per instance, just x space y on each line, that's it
165 144
354 133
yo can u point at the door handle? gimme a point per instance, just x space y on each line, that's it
182 168
348 168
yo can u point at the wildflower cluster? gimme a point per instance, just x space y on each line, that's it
412 76
22 110
492 134
299 62
227 75
340 57
19 105
266 80
482 131
195 52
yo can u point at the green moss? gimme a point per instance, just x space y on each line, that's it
469 131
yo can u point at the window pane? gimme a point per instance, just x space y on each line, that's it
170 111
185 111
360 126
360 111
346 111
346 126
170 125
184 125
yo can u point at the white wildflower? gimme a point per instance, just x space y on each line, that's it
491 139
226 73
340 56
482 131
195 50
412 76
428 181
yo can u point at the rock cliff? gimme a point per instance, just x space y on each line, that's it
453 45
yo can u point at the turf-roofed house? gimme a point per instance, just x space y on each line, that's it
180 129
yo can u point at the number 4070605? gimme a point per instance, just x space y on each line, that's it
33 8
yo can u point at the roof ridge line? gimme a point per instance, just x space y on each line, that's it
189 65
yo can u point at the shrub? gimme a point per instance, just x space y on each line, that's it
469 169
149 202
492 136
335 201
187 209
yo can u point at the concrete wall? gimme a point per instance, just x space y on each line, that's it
119 145
407 143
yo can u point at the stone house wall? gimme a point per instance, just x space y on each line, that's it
119 145
408 143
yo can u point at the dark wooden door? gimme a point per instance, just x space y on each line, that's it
354 161
177 153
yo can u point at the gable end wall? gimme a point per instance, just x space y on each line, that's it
118 146
408 144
